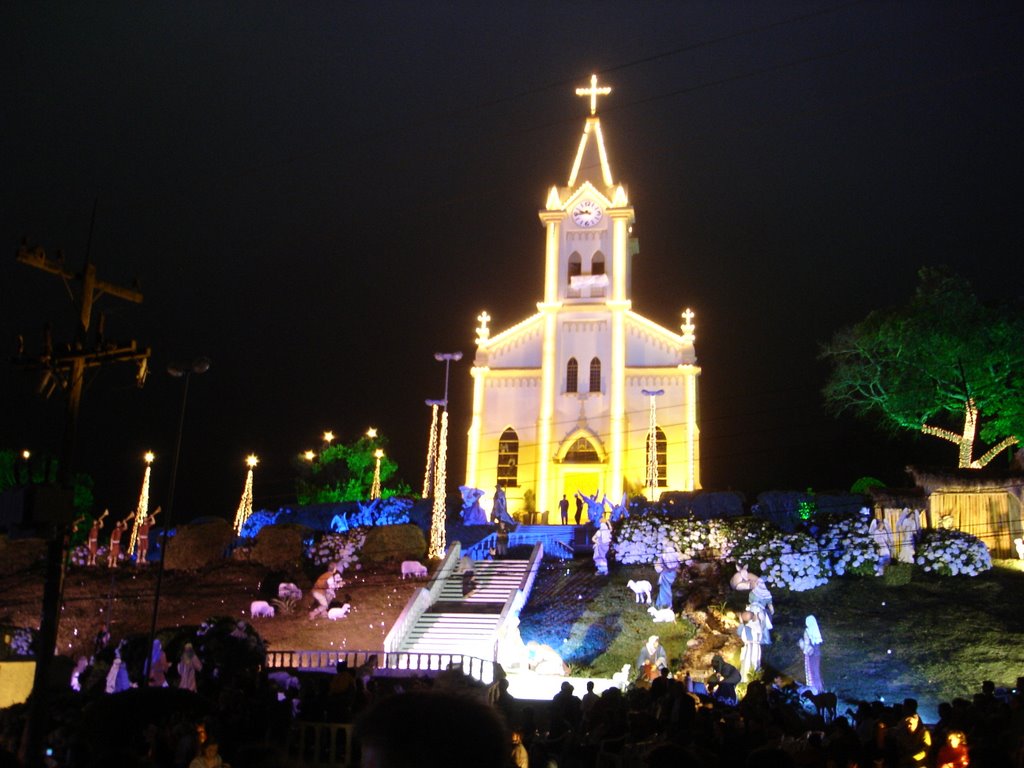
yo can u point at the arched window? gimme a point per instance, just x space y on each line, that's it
508 459
575 265
582 452
572 375
661 451
595 375
597 264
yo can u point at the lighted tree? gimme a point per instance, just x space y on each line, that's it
346 473
946 365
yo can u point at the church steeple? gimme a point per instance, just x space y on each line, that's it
591 163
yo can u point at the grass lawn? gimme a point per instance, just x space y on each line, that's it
932 638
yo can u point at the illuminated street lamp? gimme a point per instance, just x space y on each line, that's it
198 366
375 488
245 505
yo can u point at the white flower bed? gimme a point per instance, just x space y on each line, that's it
341 548
952 553
849 547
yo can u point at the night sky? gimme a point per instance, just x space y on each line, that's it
320 196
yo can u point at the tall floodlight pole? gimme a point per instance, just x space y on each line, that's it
199 365
437 519
652 442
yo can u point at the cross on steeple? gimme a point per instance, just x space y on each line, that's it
482 331
593 92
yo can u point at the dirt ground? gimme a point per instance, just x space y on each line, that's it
123 598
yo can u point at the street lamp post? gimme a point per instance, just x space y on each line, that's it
198 366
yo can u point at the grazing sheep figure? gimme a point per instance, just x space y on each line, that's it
824 702
662 615
414 569
621 678
261 609
642 590
336 613
742 580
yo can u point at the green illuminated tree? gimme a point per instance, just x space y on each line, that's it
945 365
345 473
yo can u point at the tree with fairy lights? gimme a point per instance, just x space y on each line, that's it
345 472
945 365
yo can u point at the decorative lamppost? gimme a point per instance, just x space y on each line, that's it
245 505
437 518
143 509
198 366
652 442
375 488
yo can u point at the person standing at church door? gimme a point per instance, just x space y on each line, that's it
563 507
579 508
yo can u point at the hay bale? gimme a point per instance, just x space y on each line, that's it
199 544
280 546
393 543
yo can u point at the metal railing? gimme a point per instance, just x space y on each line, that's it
386 662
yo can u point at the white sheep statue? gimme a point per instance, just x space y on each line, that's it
641 589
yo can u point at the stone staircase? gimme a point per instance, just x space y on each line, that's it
471 624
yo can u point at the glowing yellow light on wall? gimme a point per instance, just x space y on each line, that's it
143 509
245 505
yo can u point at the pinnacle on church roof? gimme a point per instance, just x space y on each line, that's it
591 162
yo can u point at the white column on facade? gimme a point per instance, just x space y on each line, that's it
479 375
551 220
548 383
618 305
690 373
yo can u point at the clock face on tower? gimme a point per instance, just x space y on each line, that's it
587 213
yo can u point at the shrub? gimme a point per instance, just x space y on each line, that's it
279 547
340 548
392 543
848 546
199 544
952 553
898 574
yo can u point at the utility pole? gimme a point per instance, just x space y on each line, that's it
66 368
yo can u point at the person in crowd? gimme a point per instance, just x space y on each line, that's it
810 644
953 752
424 721
209 756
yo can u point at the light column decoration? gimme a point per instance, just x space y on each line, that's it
652 442
143 509
437 518
245 505
428 473
375 488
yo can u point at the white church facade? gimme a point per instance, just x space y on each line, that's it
562 401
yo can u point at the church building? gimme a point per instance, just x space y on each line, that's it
586 394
